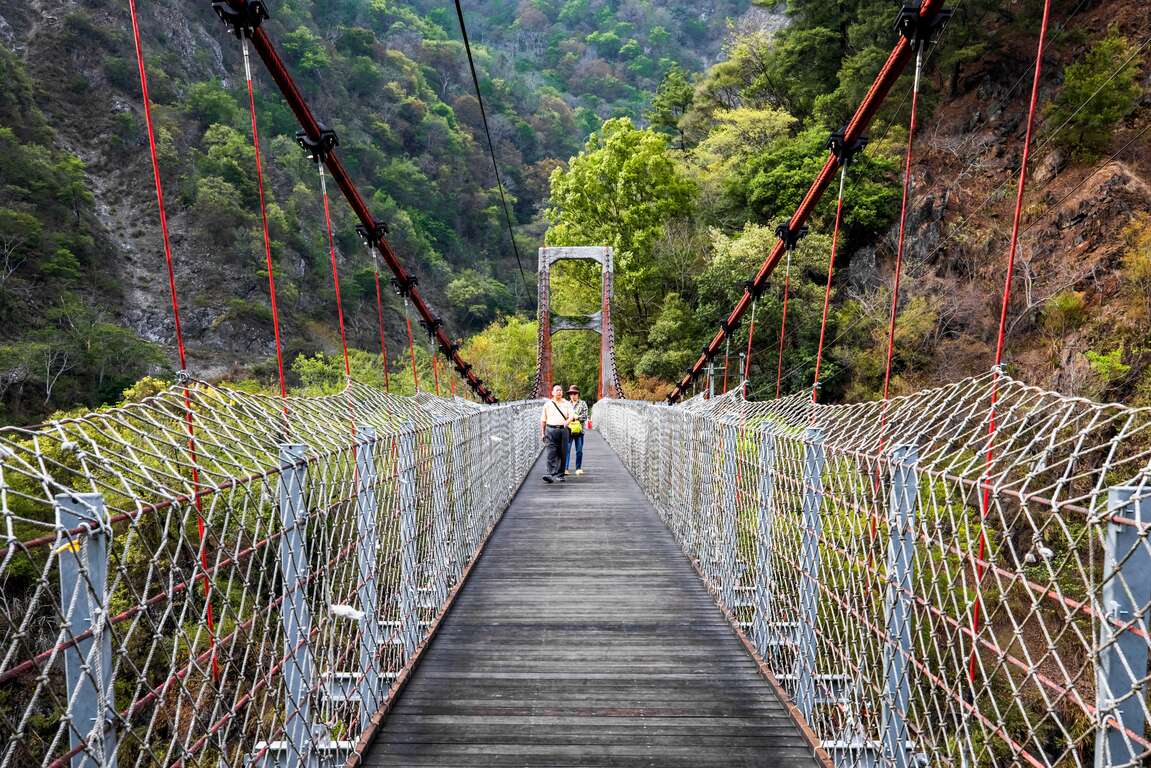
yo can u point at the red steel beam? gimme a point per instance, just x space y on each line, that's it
888 75
299 106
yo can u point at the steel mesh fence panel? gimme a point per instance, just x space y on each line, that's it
210 577
961 576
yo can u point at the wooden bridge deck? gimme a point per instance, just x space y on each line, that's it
584 638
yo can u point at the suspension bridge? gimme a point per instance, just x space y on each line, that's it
960 576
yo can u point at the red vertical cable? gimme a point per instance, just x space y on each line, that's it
726 363
380 319
902 226
411 346
750 337
827 290
436 371
335 269
200 528
1000 343
783 324
264 221
908 155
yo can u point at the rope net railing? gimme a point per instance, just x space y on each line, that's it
252 597
845 542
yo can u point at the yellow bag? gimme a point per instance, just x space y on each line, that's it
576 427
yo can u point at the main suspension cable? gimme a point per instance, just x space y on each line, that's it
902 222
264 224
491 144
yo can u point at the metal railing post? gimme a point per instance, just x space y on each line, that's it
438 557
701 515
83 561
812 520
367 550
294 614
900 573
460 495
409 541
687 502
726 564
1121 667
765 543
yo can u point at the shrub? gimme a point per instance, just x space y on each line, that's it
1097 93
1064 312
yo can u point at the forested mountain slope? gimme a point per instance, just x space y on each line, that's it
83 295
691 131
691 204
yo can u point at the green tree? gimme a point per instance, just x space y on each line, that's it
774 182
504 356
1097 93
621 191
306 50
480 297
670 103
209 103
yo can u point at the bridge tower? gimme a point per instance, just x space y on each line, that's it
599 322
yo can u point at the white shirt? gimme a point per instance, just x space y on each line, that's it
557 414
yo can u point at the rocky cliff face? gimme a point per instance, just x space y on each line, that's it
1069 294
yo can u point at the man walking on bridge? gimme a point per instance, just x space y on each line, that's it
554 432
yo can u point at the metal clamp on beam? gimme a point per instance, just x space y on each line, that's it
433 325
374 234
919 30
789 236
754 289
241 17
843 150
320 147
728 327
404 287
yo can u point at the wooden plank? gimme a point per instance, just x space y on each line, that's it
584 638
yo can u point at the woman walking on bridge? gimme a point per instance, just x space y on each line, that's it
576 427
554 433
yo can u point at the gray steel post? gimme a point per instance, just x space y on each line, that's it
812 517
460 494
438 555
702 517
367 549
83 559
726 526
409 541
294 613
765 542
900 573
1121 668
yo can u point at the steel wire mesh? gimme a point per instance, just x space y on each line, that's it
211 577
961 576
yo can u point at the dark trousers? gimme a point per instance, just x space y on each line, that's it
576 447
557 445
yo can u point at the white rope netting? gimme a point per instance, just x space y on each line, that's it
961 575
211 577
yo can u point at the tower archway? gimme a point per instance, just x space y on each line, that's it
599 322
